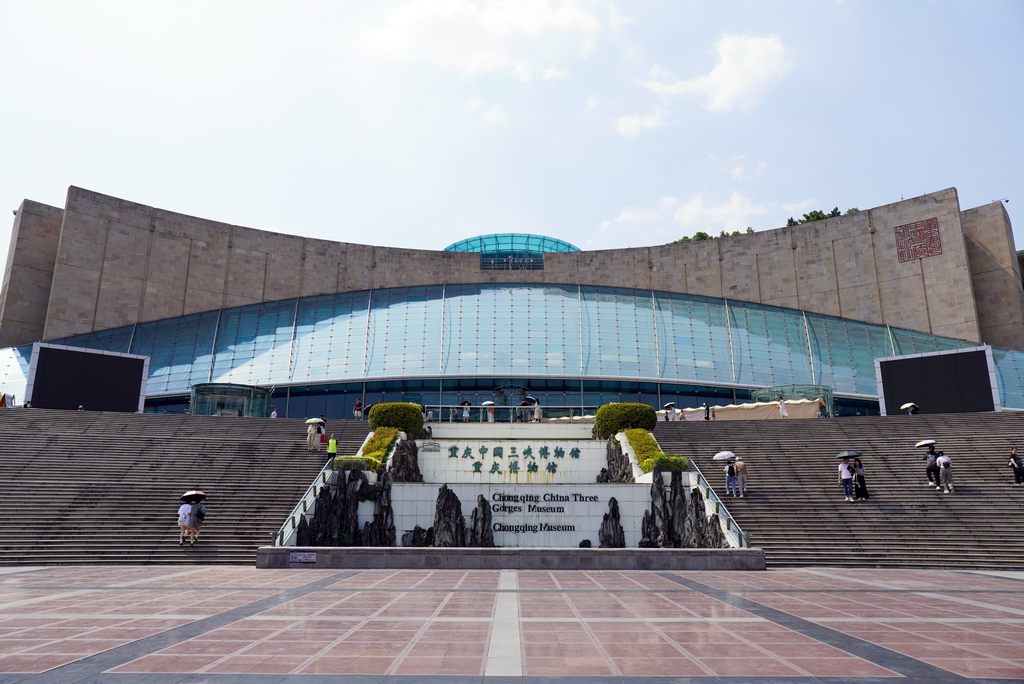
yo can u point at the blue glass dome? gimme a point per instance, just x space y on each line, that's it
514 245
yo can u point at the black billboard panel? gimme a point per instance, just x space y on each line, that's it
66 378
958 382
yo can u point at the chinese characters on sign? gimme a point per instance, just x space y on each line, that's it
918 240
498 452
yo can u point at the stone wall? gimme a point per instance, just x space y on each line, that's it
995 272
28 273
119 262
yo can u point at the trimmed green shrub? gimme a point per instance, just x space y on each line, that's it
375 451
351 463
666 463
643 444
613 418
406 417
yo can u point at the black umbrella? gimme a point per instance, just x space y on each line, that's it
848 454
192 496
465 403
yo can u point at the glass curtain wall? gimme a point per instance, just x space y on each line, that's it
654 346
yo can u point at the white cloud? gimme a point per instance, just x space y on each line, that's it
799 208
640 218
493 114
747 68
471 38
632 124
731 215
742 173
552 72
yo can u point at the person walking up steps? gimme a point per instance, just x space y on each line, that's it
332 449
741 476
930 468
184 518
196 518
730 477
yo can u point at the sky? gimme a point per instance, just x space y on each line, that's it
418 123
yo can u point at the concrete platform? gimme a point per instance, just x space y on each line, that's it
362 558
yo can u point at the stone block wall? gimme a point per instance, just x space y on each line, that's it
995 272
120 262
29 273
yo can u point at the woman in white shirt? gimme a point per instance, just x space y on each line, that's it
184 515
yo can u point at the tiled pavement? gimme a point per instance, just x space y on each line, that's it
235 624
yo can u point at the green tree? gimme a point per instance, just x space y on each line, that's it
816 215
852 210
701 235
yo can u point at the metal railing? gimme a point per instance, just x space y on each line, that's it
713 504
326 476
508 414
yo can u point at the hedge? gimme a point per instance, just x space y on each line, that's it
614 418
665 462
406 417
375 451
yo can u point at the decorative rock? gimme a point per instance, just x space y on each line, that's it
585 544
381 532
480 532
714 536
677 509
405 462
604 477
649 532
302 532
619 467
426 433
449 523
611 535
660 515
419 537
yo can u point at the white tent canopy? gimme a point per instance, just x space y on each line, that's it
767 410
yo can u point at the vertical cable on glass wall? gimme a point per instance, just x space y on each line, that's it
366 336
579 309
213 347
892 343
654 319
291 345
440 356
810 356
132 338
728 329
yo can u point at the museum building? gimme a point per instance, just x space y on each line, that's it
498 317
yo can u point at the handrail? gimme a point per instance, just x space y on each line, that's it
713 504
282 536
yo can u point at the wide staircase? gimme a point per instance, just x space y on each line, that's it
795 509
92 487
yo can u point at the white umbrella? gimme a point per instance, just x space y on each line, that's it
723 456
670 404
313 420
907 405
926 442
487 403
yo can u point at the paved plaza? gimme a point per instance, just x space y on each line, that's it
239 624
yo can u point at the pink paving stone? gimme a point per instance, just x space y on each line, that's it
297 648
34 663
257 665
988 669
587 666
419 666
166 663
15 645
812 650
840 667
544 666
461 666
749 667
80 647
337 665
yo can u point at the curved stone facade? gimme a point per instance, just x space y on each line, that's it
919 264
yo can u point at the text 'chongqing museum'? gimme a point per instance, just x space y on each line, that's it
497 317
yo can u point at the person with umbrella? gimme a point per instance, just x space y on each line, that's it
846 477
670 410
197 515
490 410
312 434
931 469
729 469
537 415
860 485
465 411
911 408
184 518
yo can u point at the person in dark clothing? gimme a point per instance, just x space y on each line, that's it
860 485
707 411
931 469
1017 463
